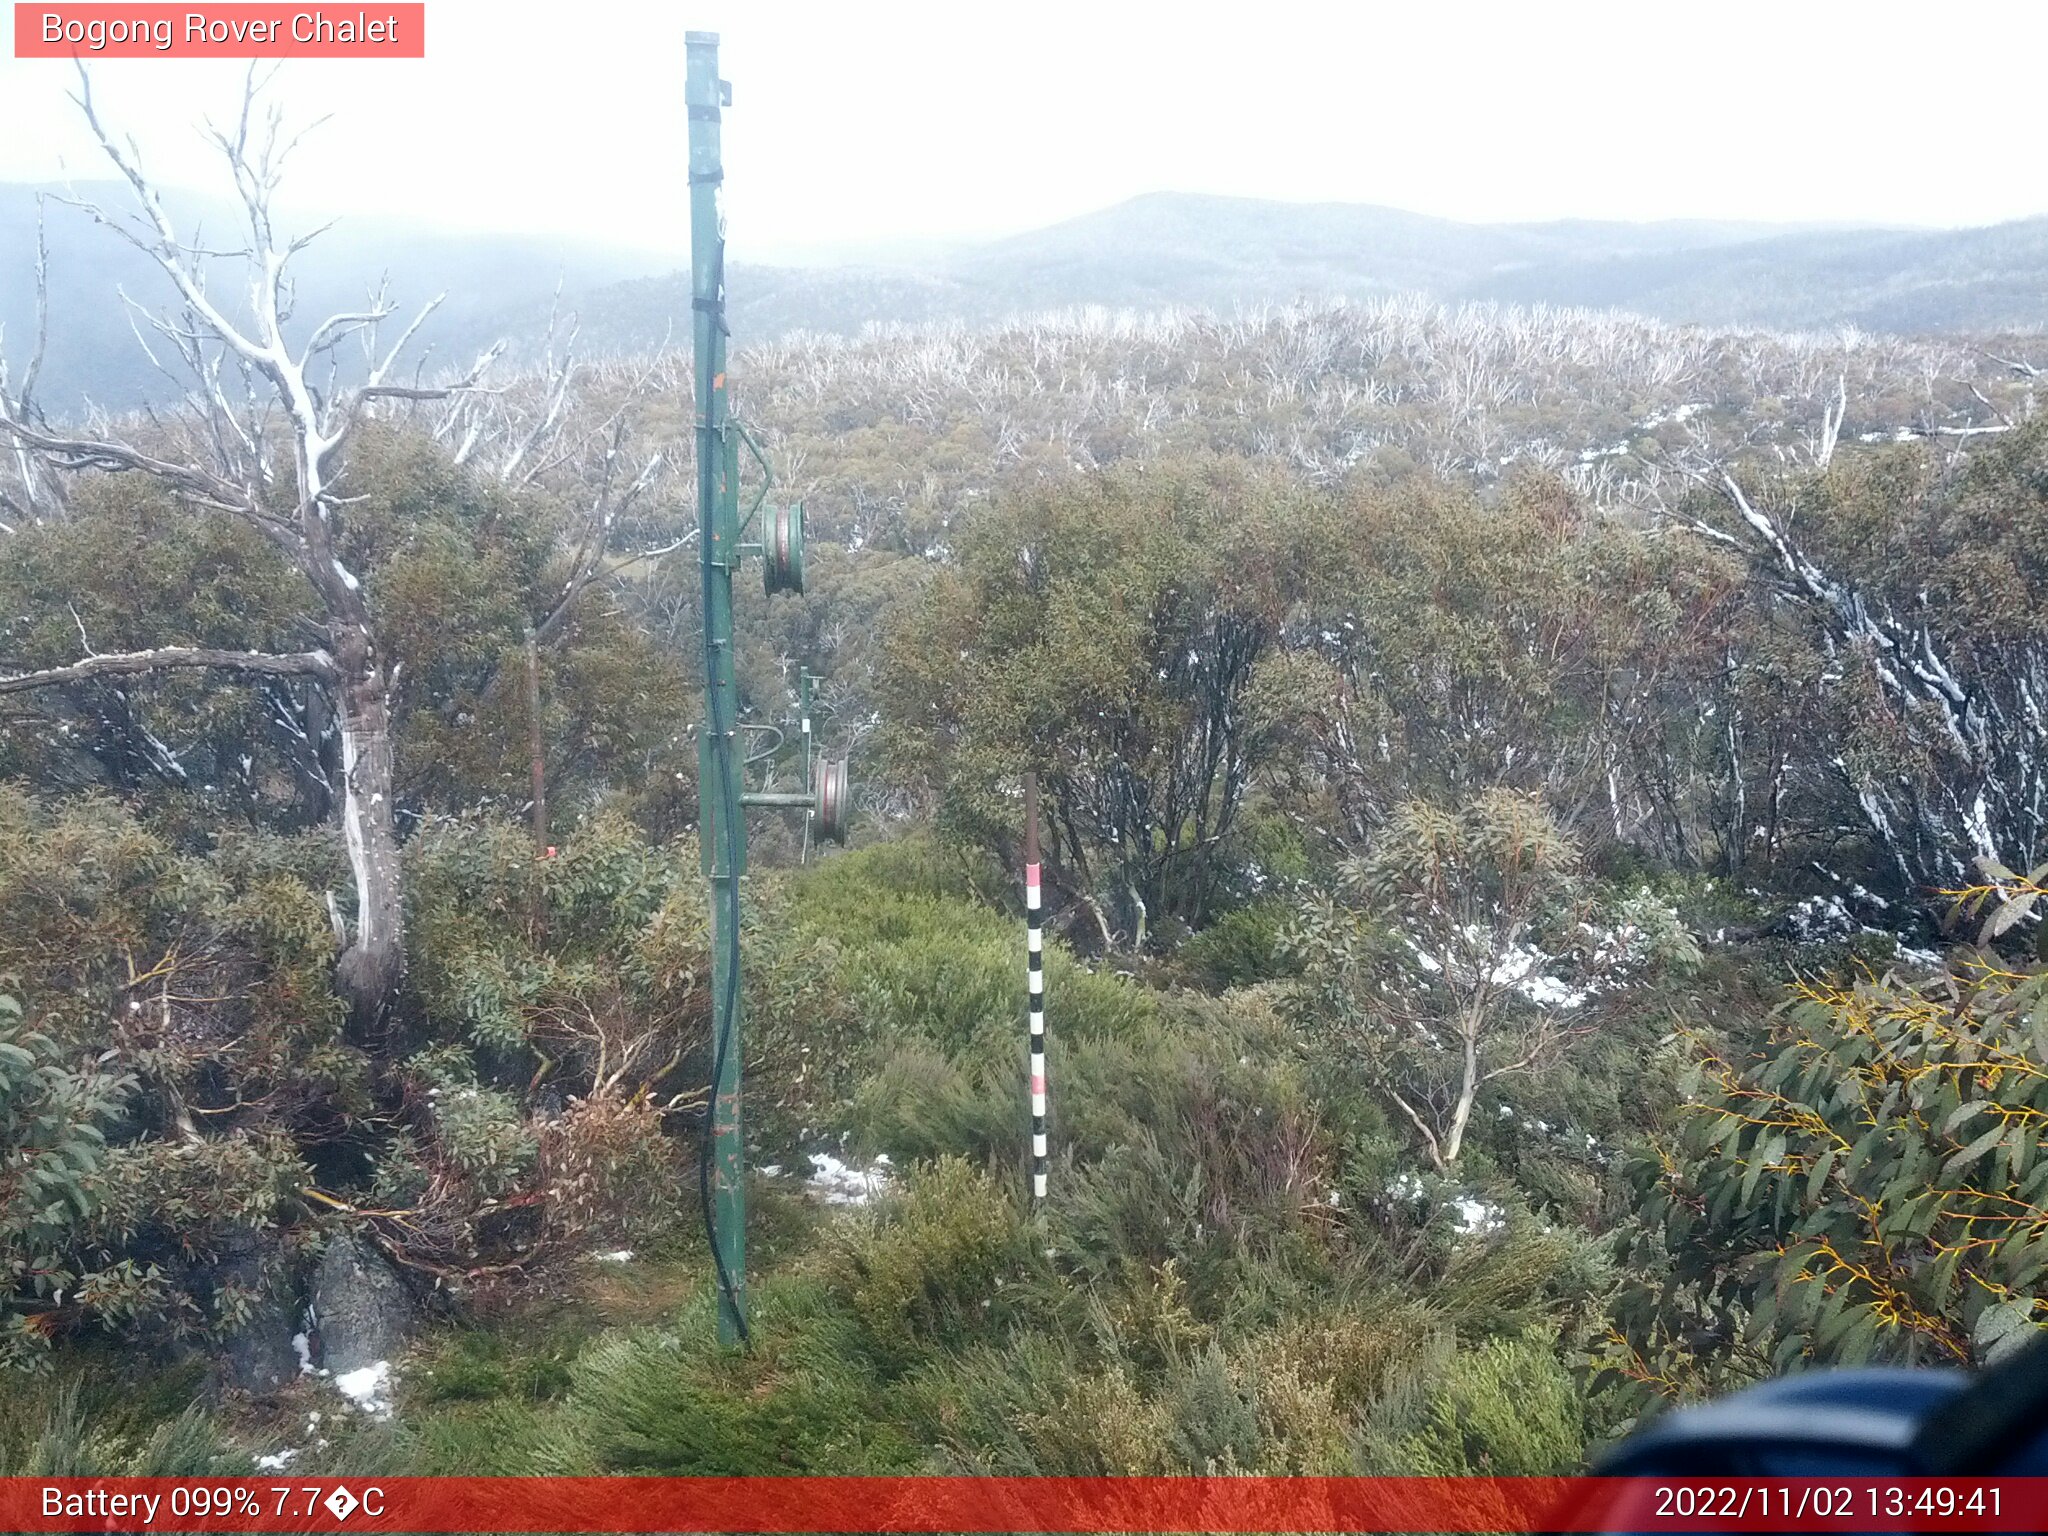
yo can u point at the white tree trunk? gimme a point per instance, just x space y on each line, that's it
369 969
1468 1093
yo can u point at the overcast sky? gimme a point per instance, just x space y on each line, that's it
879 121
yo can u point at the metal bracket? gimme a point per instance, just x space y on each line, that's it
767 474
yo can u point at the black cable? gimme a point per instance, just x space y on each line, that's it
726 1023
723 1042
722 1034
707 1152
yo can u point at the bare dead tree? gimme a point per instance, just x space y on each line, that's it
260 438
37 494
2018 365
1832 415
1984 723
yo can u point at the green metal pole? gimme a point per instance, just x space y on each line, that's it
721 823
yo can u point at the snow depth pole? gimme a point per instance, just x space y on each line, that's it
721 824
803 704
1034 975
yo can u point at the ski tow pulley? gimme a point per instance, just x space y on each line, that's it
833 810
782 550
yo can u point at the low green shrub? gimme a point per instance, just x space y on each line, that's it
64 1433
801 1399
928 1267
499 1438
1212 1417
523 1364
1240 948
1505 1408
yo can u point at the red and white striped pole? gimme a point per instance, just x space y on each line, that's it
1034 971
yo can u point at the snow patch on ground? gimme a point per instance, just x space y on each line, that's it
1680 414
1539 976
1470 1215
277 1461
303 1348
839 1183
614 1256
1477 1217
1821 917
369 1388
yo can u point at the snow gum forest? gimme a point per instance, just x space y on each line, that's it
1543 822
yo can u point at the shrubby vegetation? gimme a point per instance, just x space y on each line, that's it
1439 809
1870 1190
53 1124
1477 950
1193 1296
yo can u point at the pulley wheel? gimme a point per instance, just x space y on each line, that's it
782 566
834 808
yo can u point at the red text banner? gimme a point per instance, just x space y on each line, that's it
237 31
1000 1504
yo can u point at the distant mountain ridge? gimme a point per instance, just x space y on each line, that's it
1160 250
1219 253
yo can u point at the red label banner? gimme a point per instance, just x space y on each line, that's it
1002 1504
239 31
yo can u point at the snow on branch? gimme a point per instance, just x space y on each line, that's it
173 658
93 453
255 149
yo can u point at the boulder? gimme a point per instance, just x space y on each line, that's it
257 1356
360 1307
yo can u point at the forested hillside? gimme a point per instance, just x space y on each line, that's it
1535 809
1165 251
